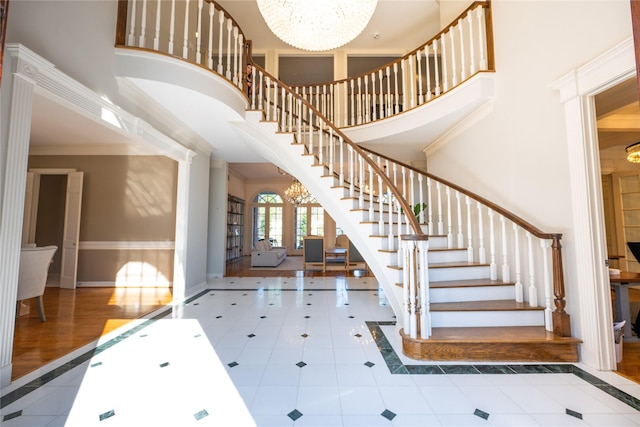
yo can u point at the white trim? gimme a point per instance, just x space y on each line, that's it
52 171
124 245
592 294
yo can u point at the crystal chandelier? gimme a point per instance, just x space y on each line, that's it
633 152
296 193
317 24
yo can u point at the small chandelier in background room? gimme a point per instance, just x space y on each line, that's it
317 25
633 152
296 193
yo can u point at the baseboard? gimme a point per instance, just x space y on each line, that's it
112 284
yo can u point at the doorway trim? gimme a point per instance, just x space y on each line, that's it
577 91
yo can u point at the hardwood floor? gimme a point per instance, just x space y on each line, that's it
78 317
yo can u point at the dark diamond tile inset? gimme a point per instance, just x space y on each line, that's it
294 415
12 416
107 414
218 317
369 364
200 415
358 335
351 317
164 365
232 364
263 317
95 365
304 335
307 317
578 415
388 414
251 335
481 414
301 364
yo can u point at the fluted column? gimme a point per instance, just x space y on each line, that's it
20 91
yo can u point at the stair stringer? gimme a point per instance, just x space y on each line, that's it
280 149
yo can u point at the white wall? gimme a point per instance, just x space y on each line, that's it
217 235
517 155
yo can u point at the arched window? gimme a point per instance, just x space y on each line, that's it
267 217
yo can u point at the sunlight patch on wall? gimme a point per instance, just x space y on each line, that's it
141 274
150 187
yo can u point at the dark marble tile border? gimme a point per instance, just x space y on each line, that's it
397 367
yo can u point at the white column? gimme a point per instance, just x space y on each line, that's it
15 172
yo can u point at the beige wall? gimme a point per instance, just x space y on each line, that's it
125 199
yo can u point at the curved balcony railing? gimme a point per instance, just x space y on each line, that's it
459 51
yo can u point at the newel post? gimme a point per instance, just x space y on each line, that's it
561 320
416 303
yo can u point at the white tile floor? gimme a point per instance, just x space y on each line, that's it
298 352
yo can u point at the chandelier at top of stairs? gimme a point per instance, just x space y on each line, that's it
317 25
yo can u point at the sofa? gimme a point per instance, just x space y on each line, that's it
265 255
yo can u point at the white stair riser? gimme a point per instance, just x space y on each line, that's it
458 255
476 293
452 319
458 273
437 242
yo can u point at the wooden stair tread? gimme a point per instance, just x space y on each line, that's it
502 334
468 283
492 305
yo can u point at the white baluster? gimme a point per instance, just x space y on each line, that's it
372 112
220 38
420 94
172 26
482 39
185 43
403 172
351 173
143 25
412 193
199 33
332 144
505 263
131 40
440 222
342 165
435 66
445 57
427 73
390 235
299 127
548 304
493 266
381 96
352 95
412 82
360 100
460 243
421 218
236 66
229 28
454 63
367 102
449 219
389 95
482 256
261 94
423 283
533 292
267 100
395 83
469 231
240 61
310 142
212 10
156 38
283 113
516 248
429 207
361 183
404 85
290 113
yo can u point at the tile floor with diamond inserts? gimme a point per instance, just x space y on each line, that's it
298 351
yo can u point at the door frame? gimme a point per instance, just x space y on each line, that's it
71 235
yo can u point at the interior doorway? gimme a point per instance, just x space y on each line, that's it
53 201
